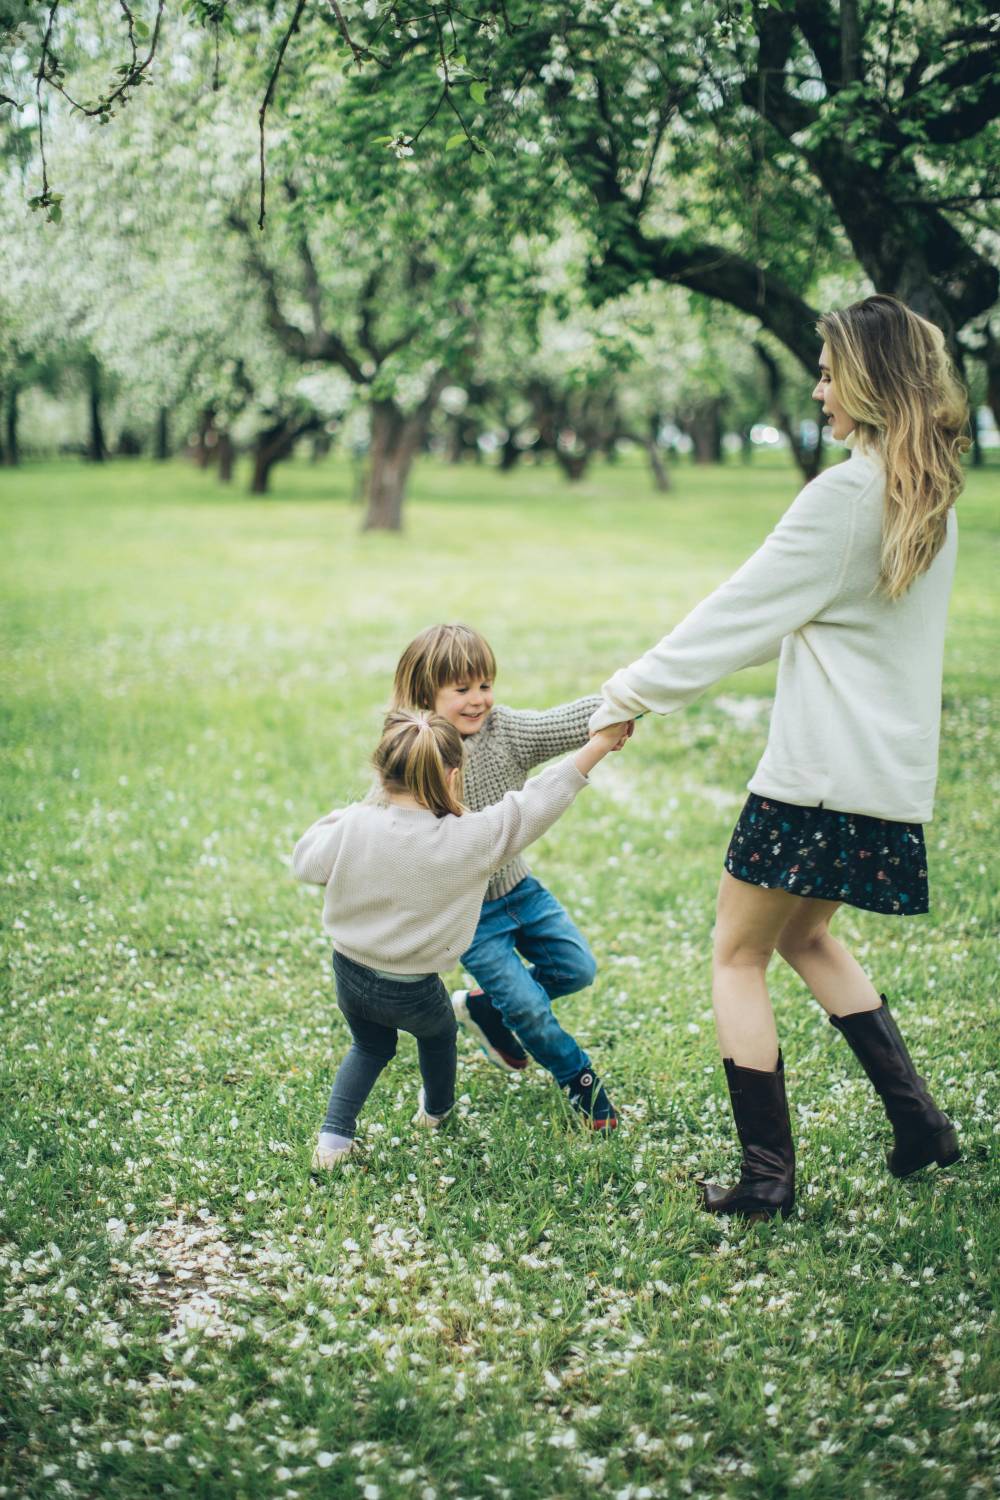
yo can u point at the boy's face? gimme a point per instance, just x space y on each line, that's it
465 704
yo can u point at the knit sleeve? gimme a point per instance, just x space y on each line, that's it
522 816
531 736
315 852
785 584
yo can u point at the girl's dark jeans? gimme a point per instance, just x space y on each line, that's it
376 1009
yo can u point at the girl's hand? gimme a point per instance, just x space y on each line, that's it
600 744
629 732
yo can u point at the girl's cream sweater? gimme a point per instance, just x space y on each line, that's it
404 888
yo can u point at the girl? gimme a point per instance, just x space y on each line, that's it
850 591
526 951
405 873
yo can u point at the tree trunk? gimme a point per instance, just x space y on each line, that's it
704 427
455 445
395 441
263 462
510 454
161 449
274 444
662 482
573 465
321 444
204 443
11 454
270 447
226 454
808 459
97 450
991 358
977 447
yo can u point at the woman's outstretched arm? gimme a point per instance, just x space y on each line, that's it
786 583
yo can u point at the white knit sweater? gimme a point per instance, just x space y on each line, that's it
858 702
404 888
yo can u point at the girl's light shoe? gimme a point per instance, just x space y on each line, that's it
326 1157
423 1119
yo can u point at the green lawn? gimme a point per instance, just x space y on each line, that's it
509 1308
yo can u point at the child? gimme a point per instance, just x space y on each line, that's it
450 669
405 873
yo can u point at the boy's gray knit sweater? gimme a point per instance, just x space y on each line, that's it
511 742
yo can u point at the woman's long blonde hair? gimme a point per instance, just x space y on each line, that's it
895 380
416 754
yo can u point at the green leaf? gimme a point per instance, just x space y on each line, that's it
477 93
458 139
55 213
480 164
141 31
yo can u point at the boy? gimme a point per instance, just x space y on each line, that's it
450 669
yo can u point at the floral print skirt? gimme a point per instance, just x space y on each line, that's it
834 856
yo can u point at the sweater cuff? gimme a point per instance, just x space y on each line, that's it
606 715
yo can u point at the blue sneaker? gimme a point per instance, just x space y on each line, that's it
588 1097
483 1022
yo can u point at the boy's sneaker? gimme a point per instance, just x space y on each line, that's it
482 1021
587 1095
423 1119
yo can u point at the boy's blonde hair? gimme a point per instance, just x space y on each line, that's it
438 657
896 381
416 753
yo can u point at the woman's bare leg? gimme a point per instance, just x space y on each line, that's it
749 921
835 977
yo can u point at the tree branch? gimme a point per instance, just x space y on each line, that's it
765 90
324 347
823 35
293 26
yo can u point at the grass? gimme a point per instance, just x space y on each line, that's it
509 1308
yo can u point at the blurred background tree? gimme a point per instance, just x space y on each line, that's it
578 225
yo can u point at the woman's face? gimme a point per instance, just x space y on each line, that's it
826 391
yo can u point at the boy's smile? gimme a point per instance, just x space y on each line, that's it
465 704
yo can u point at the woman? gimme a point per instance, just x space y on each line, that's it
850 591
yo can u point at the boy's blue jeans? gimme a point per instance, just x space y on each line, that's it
529 921
376 1009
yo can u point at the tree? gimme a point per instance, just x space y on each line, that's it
735 149
359 292
744 151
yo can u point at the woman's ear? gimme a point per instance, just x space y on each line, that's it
452 775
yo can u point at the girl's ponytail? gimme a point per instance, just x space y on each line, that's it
417 754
